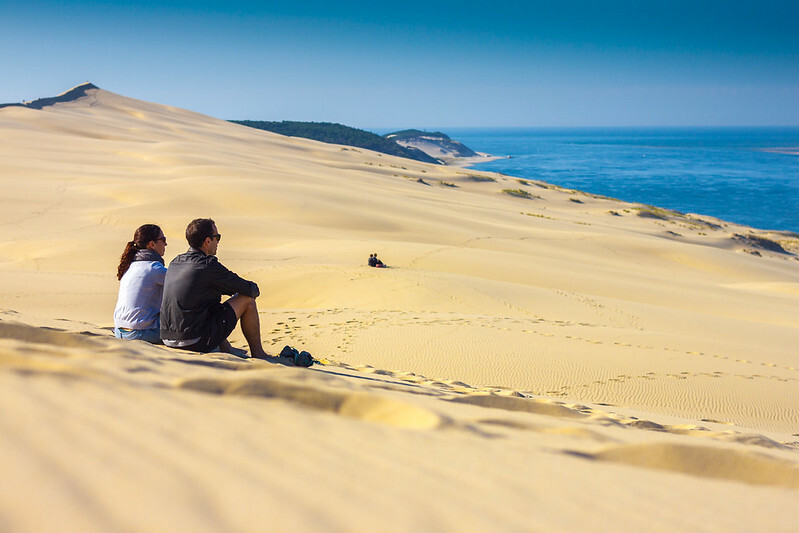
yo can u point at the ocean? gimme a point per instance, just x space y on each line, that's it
736 174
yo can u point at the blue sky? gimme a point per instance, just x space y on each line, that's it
433 64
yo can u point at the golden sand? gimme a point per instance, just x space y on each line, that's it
534 359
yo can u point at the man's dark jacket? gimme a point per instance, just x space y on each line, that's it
194 283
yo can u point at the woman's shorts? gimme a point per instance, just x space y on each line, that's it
153 336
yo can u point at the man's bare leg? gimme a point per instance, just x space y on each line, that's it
225 346
247 312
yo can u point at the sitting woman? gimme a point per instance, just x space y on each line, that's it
141 274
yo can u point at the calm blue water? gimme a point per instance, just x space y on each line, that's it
722 172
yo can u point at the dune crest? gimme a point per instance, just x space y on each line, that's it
76 93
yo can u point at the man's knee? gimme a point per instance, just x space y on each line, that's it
241 304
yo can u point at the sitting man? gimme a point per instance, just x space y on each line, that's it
193 316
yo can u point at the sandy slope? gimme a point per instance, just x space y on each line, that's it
112 436
549 362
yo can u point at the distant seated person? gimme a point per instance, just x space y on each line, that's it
375 262
141 274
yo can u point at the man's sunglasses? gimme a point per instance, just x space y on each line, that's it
218 237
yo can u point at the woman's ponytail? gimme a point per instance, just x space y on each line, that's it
126 259
141 238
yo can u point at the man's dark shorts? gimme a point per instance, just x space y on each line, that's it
221 323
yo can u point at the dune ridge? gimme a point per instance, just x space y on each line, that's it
71 95
534 358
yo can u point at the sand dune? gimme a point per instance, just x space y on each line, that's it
109 435
534 358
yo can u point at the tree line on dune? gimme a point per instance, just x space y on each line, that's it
339 134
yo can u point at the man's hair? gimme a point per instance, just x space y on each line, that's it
198 230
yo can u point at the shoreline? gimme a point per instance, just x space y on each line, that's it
465 162
764 186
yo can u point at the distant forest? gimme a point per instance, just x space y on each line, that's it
339 134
